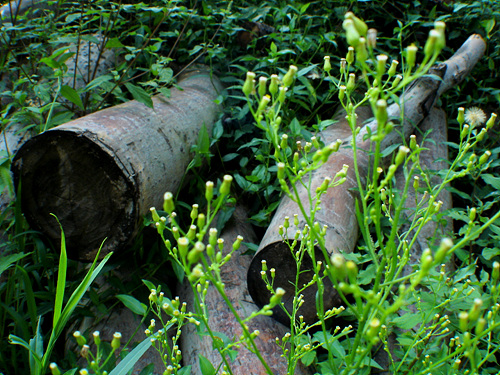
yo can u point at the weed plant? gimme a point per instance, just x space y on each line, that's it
454 326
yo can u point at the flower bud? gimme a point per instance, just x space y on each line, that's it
463 319
381 61
371 38
475 310
343 65
393 68
430 45
276 298
381 114
351 33
361 52
80 340
350 55
54 369
237 243
154 214
396 81
226 185
351 82
445 245
491 121
289 76
359 24
115 343
209 191
274 85
262 86
440 28
411 55
342 89
338 269
249 85
481 134
402 152
168 202
182 245
97 338
461 115
496 271
282 94
264 101
484 157
327 66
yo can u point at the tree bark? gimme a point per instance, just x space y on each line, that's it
101 173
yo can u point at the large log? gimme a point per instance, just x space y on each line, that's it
339 205
222 320
101 173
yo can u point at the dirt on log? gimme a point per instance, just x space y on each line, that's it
101 173
339 204
222 320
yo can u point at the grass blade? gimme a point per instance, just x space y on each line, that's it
130 360
61 277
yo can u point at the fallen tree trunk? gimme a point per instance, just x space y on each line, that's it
101 173
339 205
222 320
432 160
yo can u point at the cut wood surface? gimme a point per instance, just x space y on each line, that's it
101 173
414 105
222 320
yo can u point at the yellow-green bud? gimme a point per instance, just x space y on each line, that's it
411 55
342 89
274 85
54 369
430 45
352 271
381 114
249 85
97 338
351 82
396 80
440 28
343 65
361 51
461 115
209 191
402 152
282 94
463 319
496 271
351 33
350 55
381 62
393 68
194 212
237 243
168 202
338 269
475 310
359 24
276 298
80 340
182 245
491 121
264 101
289 76
281 171
115 343
154 214
445 245
484 157
226 185
284 142
481 323
327 66
262 86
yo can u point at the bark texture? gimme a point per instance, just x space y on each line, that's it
222 320
99 174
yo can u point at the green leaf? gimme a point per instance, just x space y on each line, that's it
7 261
61 277
205 366
149 284
131 359
139 94
71 94
309 358
114 43
98 82
491 180
185 370
407 321
36 352
133 304
490 253
295 127
389 150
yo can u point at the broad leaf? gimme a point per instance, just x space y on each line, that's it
140 94
133 304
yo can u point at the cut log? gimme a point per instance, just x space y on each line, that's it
101 173
432 160
222 320
339 205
